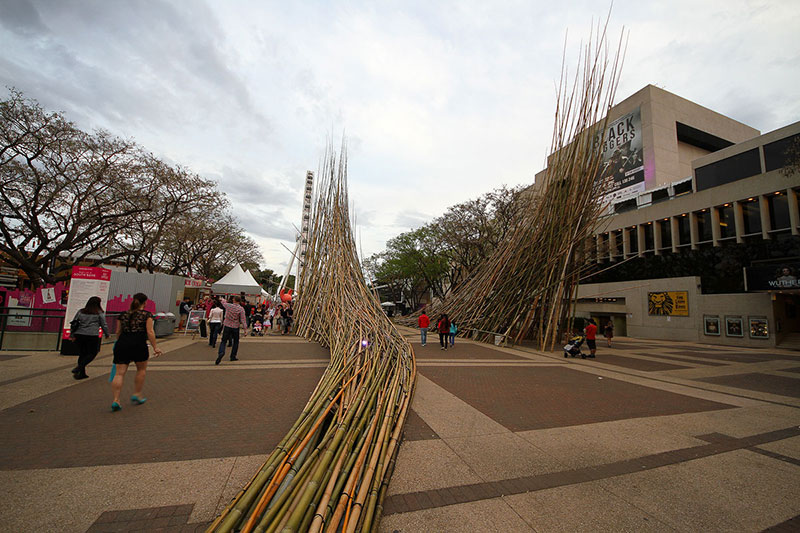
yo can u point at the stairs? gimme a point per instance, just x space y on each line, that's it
790 341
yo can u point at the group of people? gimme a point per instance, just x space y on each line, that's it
590 332
134 330
447 330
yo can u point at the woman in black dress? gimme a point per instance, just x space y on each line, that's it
87 335
134 329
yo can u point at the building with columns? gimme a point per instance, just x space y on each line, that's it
701 240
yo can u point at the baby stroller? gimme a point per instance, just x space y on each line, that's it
573 348
258 326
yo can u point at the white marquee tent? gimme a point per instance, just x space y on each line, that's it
237 281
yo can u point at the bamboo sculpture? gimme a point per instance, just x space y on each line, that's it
331 471
524 289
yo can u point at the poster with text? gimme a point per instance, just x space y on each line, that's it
668 303
85 283
621 170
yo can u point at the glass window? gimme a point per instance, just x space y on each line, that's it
730 169
649 241
779 211
727 222
684 234
633 235
659 196
776 154
752 216
704 225
602 250
666 234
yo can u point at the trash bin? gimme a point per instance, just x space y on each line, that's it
163 324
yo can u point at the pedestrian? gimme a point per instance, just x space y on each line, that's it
134 329
215 316
234 319
424 323
609 332
453 331
184 309
591 335
91 321
289 317
444 331
284 319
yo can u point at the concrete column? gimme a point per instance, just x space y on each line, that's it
738 216
612 245
673 226
640 238
657 236
626 243
693 233
766 225
716 234
598 247
794 211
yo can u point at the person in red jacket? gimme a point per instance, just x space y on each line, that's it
444 331
591 335
424 322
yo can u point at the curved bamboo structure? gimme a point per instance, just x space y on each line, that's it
524 289
331 471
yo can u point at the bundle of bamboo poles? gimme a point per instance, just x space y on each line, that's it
526 287
331 471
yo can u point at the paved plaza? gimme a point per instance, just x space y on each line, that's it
650 436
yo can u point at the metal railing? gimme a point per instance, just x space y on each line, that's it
29 329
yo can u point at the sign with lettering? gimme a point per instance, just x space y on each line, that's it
668 303
622 166
85 283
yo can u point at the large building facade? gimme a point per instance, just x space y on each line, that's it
701 241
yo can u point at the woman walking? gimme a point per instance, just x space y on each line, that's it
444 331
453 332
87 335
134 329
609 332
215 323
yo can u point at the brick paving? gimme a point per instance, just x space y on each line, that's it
759 382
240 410
416 428
189 415
462 350
635 364
525 398
252 351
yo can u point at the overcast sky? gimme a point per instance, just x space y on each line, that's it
440 101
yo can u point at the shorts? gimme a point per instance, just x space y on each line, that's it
591 344
131 348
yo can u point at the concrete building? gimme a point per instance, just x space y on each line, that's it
688 187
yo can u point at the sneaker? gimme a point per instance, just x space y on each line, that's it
135 400
234 358
115 407
218 360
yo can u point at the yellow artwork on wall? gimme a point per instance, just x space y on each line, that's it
668 303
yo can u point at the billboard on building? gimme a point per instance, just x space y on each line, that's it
622 166
668 303
772 277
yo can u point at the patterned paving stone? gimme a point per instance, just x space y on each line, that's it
636 364
189 415
461 351
417 429
252 351
525 398
780 385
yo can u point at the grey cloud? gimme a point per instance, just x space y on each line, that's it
21 16
411 219
142 59
243 187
